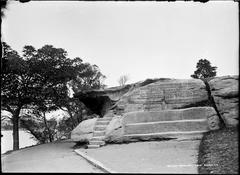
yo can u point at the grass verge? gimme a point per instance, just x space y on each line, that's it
218 152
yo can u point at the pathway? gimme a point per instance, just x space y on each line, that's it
173 156
52 157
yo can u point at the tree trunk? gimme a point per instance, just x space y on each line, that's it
34 133
15 121
15 133
46 125
78 118
71 116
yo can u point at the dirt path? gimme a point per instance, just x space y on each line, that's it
149 157
53 157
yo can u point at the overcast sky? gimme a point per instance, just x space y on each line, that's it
138 39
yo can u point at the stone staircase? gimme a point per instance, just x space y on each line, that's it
99 131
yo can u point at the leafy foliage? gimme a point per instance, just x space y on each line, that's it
43 130
41 78
204 70
89 78
47 130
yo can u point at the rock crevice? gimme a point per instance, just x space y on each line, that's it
212 103
225 91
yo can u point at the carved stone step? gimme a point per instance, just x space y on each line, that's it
102 122
105 119
169 115
93 146
97 138
100 127
98 133
167 134
167 126
94 142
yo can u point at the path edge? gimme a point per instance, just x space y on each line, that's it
94 162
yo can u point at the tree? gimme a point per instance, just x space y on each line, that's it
64 128
204 70
35 122
73 107
13 87
38 78
123 79
89 78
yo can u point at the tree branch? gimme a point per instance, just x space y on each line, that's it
7 108
62 108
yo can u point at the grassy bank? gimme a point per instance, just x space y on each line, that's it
218 152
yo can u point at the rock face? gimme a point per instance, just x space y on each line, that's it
224 90
84 131
160 109
115 131
148 125
163 95
166 117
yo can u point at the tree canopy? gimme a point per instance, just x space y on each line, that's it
204 70
41 77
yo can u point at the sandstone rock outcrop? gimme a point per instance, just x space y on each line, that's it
166 94
148 125
224 90
115 131
84 131
163 108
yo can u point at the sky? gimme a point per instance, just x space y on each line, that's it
138 39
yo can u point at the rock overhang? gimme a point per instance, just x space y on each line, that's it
100 100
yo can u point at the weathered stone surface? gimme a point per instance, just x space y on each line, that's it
169 115
178 120
114 131
225 92
213 122
101 100
163 95
84 131
147 124
163 108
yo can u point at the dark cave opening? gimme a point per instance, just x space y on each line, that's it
98 105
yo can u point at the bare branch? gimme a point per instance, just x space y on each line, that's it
123 79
